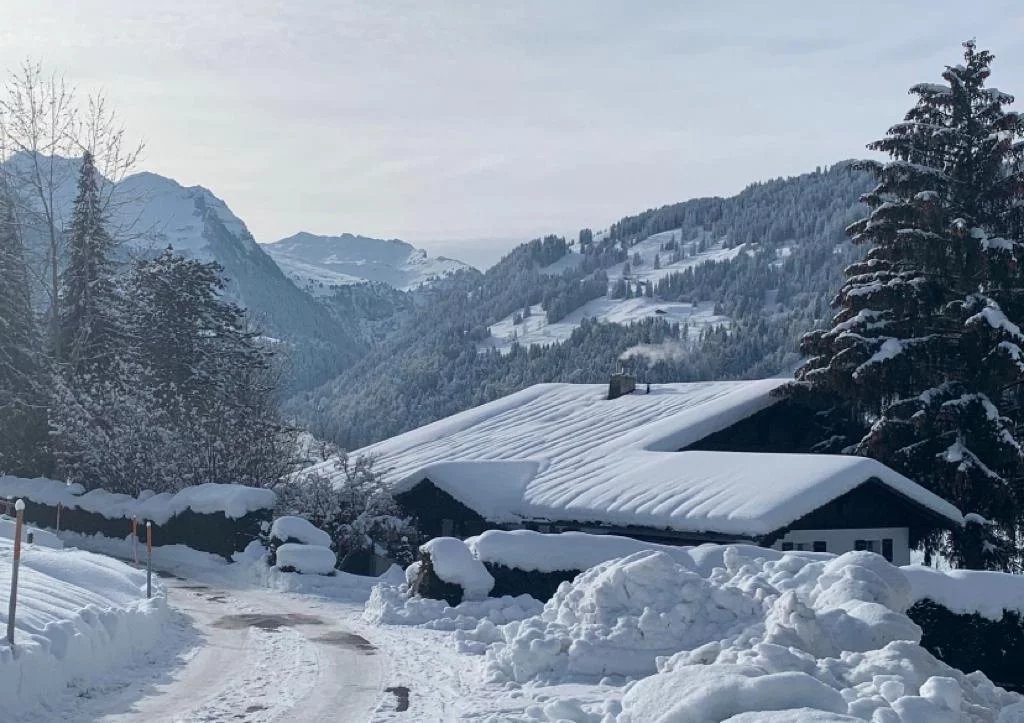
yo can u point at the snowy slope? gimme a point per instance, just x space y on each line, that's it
535 329
318 263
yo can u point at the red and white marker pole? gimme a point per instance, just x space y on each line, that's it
19 507
149 559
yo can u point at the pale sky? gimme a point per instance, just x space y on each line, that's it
442 122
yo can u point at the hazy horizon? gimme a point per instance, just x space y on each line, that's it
457 127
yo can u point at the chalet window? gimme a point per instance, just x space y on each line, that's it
801 546
787 546
887 549
447 527
869 545
820 546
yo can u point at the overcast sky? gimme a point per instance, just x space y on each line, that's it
447 121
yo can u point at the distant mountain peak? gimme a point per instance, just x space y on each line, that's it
320 263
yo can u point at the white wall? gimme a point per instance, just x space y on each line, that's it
840 541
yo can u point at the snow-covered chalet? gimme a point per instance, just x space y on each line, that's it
679 464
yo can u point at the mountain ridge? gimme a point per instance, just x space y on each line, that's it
320 263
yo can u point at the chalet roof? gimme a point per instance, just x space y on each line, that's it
565 452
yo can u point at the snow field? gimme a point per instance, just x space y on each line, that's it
78 615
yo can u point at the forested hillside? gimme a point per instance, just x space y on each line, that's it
788 252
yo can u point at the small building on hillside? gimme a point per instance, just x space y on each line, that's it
683 464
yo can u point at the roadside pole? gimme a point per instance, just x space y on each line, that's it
135 540
19 507
149 559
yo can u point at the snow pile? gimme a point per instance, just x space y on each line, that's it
741 630
453 563
78 615
307 559
393 605
300 530
618 618
234 501
968 591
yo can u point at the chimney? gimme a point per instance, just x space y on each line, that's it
620 384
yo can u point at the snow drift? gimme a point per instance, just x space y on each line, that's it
730 633
78 615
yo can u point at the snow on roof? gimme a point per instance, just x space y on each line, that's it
566 452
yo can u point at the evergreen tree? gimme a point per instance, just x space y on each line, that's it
89 303
23 385
925 349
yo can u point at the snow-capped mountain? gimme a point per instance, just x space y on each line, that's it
149 212
320 264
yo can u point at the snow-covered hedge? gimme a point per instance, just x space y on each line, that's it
78 615
221 519
973 620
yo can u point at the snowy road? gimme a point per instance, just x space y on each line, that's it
251 655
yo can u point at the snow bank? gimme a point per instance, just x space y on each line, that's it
453 563
968 591
234 501
78 615
300 529
738 631
308 559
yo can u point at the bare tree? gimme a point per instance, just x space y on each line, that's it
42 126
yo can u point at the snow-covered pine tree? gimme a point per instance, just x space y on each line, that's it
925 349
23 385
90 325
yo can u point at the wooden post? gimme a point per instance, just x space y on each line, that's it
12 604
149 559
135 539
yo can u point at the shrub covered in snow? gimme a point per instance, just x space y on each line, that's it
297 529
447 570
354 508
309 559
